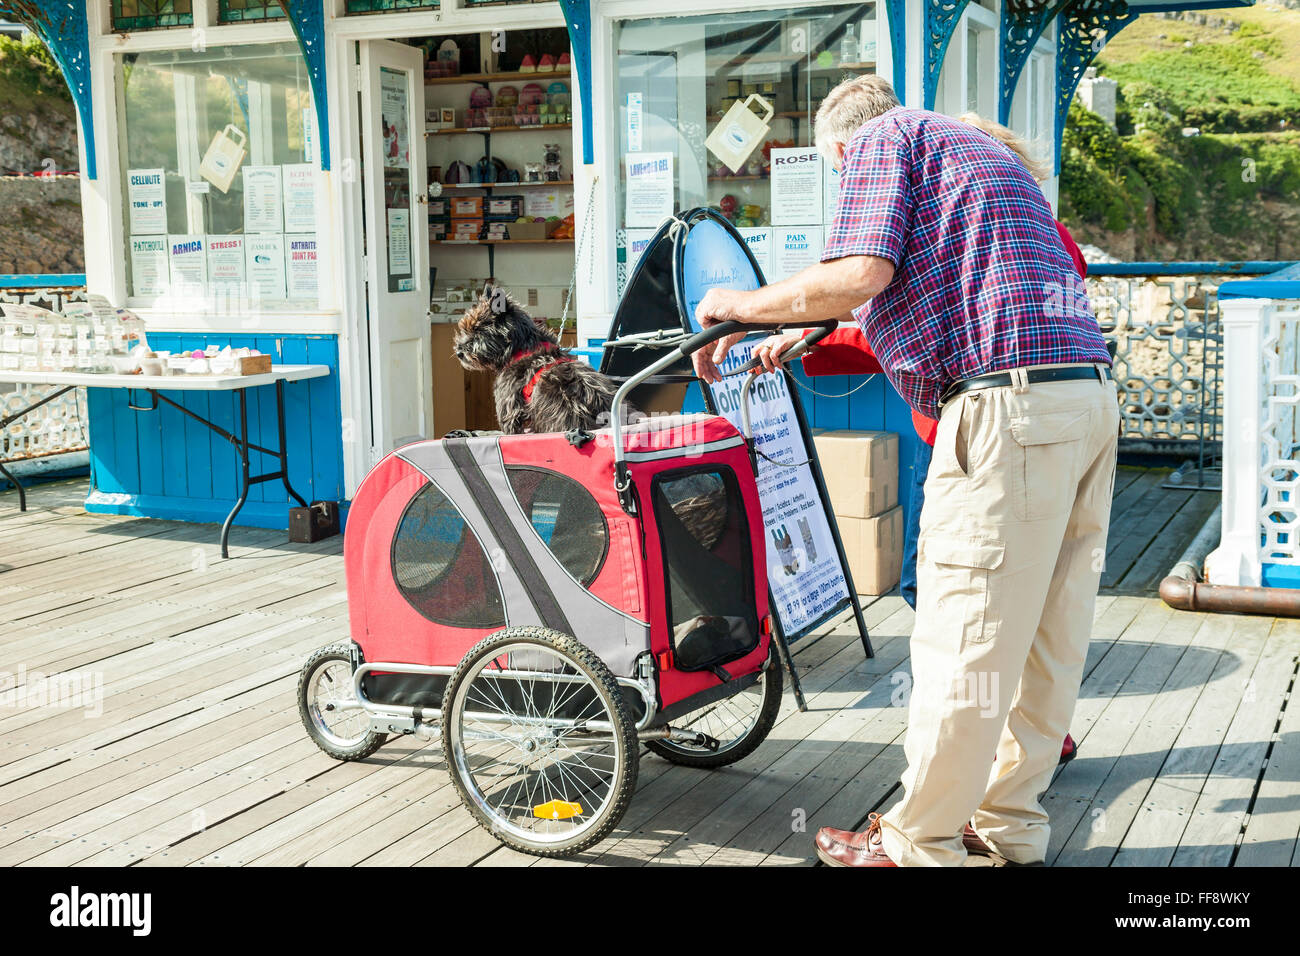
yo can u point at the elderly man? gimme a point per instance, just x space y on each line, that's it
947 255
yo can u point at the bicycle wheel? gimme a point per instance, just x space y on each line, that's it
539 741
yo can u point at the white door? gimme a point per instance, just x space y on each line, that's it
397 242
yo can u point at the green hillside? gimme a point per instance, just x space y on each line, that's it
1150 192
30 79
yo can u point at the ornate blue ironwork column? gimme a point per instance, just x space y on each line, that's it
1084 28
61 25
896 10
577 15
941 18
1023 23
308 19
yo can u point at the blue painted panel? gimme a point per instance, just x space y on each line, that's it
873 407
1279 576
1283 284
164 464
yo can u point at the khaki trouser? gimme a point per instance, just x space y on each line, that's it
1013 539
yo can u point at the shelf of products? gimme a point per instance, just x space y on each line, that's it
507 185
491 77
499 242
541 127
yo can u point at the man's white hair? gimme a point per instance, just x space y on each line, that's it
852 103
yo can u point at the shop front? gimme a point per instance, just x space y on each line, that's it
331 181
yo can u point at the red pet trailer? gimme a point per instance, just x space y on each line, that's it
547 603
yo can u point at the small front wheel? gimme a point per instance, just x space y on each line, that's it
737 724
539 741
327 704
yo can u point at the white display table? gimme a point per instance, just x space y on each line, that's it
156 384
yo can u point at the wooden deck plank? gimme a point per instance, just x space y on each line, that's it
1217 820
1272 835
198 757
1154 834
1155 560
1129 742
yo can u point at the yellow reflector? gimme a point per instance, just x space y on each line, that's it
557 810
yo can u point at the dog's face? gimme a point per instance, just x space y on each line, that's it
492 330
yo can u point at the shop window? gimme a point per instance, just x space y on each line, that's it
220 172
566 518
388 6
717 111
708 564
131 15
440 567
238 11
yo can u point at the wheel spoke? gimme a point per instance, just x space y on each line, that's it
534 725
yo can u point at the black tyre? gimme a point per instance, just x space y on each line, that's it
739 724
539 742
328 707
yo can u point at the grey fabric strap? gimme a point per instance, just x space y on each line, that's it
516 552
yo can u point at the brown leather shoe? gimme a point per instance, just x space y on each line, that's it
977 847
971 840
846 848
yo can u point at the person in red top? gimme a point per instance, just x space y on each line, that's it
846 352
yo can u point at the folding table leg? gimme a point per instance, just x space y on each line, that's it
8 420
241 447
284 444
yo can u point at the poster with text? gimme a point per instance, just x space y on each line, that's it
226 274
262 199
264 262
399 242
146 193
649 190
149 269
794 248
300 265
395 130
188 264
830 191
803 565
759 240
635 122
796 186
299 197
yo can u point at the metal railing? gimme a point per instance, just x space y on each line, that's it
1163 323
58 426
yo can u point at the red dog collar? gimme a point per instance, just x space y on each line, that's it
532 382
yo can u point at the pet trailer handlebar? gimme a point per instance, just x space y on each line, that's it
685 349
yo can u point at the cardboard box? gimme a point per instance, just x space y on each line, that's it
462 229
861 471
467 207
253 365
874 548
532 230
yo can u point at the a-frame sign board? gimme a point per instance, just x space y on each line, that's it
809 582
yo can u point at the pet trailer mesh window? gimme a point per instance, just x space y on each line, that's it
440 567
709 566
566 518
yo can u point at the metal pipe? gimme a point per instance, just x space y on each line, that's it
1183 590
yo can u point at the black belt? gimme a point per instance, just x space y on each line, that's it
1033 376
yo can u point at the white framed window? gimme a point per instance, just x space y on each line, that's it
968 79
220 178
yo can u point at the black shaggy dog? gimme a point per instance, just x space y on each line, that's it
539 386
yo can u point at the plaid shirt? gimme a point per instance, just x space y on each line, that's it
981 280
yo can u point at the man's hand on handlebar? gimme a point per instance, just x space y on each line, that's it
770 350
718 305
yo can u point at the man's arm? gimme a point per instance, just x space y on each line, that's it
826 290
